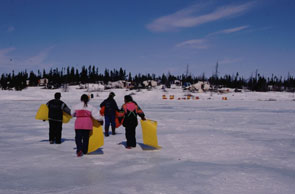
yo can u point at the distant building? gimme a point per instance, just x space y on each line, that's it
95 87
177 82
118 84
149 83
43 82
201 86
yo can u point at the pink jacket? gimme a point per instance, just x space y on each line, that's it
84 116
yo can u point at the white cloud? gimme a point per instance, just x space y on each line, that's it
186 18
4 52
203 43
7 61
230 30
4 57
39 58
195 43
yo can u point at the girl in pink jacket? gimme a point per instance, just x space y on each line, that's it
84 114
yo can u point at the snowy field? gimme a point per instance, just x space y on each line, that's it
243 145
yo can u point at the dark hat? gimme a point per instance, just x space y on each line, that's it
128 98
57 95
112 94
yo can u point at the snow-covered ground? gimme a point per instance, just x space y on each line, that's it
242 145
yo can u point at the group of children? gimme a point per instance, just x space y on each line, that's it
85 112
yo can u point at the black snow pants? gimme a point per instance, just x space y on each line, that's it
130 136
82 140
55 128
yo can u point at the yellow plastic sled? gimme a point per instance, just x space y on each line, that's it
149 133
42 114
96 139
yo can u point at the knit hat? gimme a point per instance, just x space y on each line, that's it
57 95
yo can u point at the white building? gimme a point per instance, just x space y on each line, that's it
201 86
43 82
150 83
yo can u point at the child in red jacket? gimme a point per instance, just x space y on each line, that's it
129 112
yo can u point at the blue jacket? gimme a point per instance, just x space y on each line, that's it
110 106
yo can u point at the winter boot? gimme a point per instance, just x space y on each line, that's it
79 154
113 131
106 133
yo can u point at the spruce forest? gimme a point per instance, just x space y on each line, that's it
91 74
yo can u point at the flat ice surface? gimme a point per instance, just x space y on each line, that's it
244 145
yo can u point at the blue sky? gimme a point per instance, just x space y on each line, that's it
149 36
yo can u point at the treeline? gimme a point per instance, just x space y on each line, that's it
91 74
57 77
255 83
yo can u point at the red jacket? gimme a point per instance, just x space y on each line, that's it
129 112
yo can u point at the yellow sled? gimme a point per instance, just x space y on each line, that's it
96 139
42 114
149 133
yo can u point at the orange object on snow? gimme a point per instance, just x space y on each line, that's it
101 111
118 123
